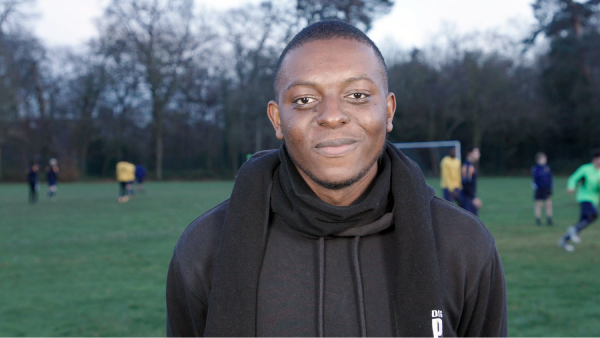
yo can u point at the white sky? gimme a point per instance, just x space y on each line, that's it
410 24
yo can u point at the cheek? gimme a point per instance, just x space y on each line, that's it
375 124
294 132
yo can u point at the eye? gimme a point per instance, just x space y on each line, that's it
358 96
304 100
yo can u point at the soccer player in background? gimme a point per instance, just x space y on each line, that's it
586 180
52 177
450 177
140 175
125 175
542 185
32 180
468 194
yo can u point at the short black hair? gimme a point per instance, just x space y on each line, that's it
471 148
595 153
327 30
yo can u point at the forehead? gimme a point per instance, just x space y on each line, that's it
329 59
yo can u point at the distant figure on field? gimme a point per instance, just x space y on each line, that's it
542 185
586 180
52 177
125 176
468 194
32 180
450 177
140 175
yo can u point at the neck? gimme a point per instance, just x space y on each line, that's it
342 197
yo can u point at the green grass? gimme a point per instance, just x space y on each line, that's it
85 265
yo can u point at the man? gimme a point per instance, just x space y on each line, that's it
468 194
32 181
542 185
586 180
52 178
336 233
125 177
140 175
450 177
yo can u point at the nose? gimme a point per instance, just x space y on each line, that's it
331 114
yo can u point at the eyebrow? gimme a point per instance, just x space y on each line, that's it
358 78
300 83
314 84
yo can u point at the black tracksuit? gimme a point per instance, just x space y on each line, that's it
472 280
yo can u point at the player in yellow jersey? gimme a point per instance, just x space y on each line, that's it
125 176
451 181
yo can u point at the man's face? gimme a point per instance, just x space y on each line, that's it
542 160
475 155
596 162
333 109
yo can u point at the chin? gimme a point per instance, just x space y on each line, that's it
336 179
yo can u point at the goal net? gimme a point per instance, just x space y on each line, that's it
429 154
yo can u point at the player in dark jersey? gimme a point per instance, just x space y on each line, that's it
542 185
468 194
32 180
52 177
140 175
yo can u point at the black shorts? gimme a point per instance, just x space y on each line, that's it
588 211
123 189
542 194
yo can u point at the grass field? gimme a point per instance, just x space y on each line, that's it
85 265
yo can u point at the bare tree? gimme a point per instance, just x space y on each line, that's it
11 14
360 13
159 36
256 35
20 54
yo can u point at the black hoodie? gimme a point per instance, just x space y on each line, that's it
344 282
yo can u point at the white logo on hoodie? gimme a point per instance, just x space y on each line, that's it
436 323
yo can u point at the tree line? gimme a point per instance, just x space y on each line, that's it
185 93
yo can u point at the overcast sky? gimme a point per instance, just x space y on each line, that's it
410 24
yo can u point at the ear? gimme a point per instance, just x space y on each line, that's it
273 112
391 110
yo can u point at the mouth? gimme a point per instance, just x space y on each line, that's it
336 147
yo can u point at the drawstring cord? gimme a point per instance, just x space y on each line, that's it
359 288
321 285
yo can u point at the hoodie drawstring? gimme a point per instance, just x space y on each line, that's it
321 285
359 288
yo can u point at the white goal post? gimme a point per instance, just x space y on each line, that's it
429 154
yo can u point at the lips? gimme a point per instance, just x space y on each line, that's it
336 147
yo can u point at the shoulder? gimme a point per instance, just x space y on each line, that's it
197 249
202 234
585 167
462 239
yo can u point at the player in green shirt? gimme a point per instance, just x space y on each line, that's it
586 180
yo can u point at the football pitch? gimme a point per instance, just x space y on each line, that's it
85 265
